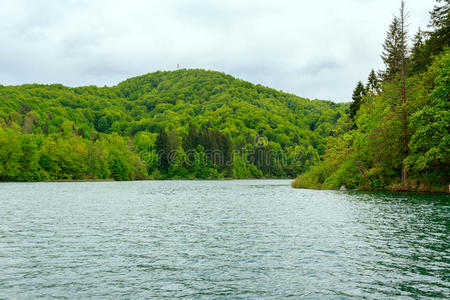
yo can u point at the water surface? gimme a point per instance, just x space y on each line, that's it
248 239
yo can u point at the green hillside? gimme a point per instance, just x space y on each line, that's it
399 137
162 125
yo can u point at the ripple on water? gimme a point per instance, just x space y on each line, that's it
226 239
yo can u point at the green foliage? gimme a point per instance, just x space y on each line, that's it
392 50
179 166
37 157
430 141
202 166
436 40
141 127
372 154
358 94
118 167
373 84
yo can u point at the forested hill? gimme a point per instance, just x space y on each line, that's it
399 137
173 99
161 125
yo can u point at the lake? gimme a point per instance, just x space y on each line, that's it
244 239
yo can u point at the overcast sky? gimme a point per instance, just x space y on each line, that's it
312 48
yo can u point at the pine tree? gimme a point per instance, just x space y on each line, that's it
191 140
357 97
162 149
440 22
427 44
391 54
227 150
417 41
373 84
419 59
119 168
395 51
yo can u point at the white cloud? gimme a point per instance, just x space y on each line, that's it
315 49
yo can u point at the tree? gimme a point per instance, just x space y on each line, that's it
357 97
373 84
178 167
162 148
394 55
420 57
202 166
430 142
119 168
403 51
391 54
427 44
440 22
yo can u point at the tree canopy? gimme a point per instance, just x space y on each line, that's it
161 125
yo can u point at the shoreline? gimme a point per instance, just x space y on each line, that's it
434 190
391 190
168 179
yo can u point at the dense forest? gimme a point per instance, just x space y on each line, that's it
178 124
189 124
399 120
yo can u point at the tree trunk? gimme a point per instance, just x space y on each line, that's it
404 173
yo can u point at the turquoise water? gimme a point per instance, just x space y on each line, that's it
249 239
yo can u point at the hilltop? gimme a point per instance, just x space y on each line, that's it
124 122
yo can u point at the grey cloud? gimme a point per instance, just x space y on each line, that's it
323 65
314 49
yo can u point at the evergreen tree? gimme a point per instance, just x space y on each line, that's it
373 84
227 150
162 148
420 58
357 97
440 22
391 54
430 43
395 51
119 168
191 140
